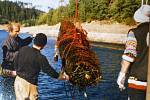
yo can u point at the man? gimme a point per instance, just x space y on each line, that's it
135 57
28 63
10 48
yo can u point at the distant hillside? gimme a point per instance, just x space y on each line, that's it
18 12
113 11
120 11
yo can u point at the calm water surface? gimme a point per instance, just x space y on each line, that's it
52 89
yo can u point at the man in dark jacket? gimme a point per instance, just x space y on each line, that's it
10 48
28 63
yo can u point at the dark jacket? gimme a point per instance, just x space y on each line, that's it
29 62
138 68
10 47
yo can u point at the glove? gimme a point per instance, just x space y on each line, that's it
34 35
121 80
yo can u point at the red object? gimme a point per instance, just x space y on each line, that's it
139 87
76 15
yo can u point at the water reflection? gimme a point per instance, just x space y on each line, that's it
52 89
7 89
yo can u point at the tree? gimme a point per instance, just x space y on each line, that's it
42 19
16 11
49 17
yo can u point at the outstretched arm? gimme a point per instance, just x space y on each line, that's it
24 42
50 71
46 68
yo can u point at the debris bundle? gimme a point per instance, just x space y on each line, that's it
78 61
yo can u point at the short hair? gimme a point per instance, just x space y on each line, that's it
10 26
40 39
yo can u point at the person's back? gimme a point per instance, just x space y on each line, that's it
30 62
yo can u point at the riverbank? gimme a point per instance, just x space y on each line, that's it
3 27
97 32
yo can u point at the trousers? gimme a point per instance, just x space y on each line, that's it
25 90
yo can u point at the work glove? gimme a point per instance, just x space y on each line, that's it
34 35
121 80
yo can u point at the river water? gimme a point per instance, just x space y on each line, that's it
53 89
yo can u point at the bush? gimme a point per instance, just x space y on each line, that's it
42 19
30 22
129 21
4 21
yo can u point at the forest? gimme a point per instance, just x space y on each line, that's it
120 11
88 10
18 12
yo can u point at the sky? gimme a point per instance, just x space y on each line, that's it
44 5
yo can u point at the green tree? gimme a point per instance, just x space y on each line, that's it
81 9
49 17
16 11
42 19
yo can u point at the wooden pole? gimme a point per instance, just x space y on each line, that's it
148 72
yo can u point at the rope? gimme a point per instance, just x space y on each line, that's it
75 36
142 2
146 2
81 62
76 14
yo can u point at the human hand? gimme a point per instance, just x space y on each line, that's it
121 80
63 76
9 73
34 35
13 73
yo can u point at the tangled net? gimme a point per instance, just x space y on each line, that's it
78 61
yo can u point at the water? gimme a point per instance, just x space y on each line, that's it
52 89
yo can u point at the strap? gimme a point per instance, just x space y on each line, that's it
142 2
146 2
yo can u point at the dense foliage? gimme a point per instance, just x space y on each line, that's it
113 10
18 12
88 10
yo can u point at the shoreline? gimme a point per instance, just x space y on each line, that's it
113 46
97 32
115 34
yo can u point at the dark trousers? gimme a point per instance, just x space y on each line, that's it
135 94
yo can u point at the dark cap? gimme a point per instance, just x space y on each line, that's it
40 39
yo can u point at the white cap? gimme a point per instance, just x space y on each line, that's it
142 14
